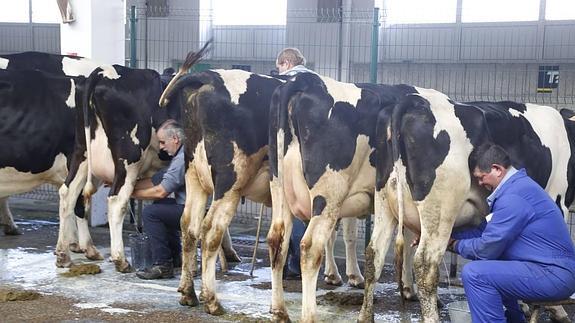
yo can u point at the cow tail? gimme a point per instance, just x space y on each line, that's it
91 83
191 59
395 126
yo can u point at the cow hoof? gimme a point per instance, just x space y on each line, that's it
364 317
75 248
440 304
93 254
189 300
280 316
12 231
356 282
63 260
202 297
408 294
123 266
214 308
233 257
332 279
564 319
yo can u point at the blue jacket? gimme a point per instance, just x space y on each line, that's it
526 225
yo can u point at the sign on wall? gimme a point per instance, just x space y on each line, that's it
548 78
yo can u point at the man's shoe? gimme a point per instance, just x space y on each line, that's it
290 275
177 261
157 272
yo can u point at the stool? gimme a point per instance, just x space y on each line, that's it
536 306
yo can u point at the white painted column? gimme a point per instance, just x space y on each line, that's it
98 31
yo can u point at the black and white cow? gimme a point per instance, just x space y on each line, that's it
322 139
37 138
58 66
49 63
226 119
424 180
54 64
120 115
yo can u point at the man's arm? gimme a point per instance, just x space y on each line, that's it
470 233
510 215
150 192
143 183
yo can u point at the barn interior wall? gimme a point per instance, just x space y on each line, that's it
469 61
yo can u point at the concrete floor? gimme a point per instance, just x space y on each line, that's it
27 261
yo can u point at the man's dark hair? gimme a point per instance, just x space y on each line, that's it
488 154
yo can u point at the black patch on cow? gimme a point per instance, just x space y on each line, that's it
326 130
383 156
517 136
319 204
473 121
413 127
122 104
50 63
210 114
35 123
79 209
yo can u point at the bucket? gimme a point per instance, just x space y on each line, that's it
459 312
140 250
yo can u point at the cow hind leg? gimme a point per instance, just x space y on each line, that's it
428 256
85 244
558 314
120 192
278 242
354 276
331 272
312 245
6 219
383 229
213 229
194 210
67 232
408 292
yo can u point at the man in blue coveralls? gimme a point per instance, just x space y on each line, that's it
162 218
522 251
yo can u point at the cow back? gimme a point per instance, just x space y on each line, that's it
37 113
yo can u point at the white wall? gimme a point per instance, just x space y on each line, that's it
98 31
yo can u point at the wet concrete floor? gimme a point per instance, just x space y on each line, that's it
27 263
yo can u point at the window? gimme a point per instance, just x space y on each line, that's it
43 11
560 9
498 10
234 12
46 11
420 11
14 11
328 10
157 8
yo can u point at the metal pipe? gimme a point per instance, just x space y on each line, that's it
374 46
133 52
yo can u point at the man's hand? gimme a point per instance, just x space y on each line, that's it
415 242
451 245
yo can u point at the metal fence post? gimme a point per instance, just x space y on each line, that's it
133 52
374 46
372 79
